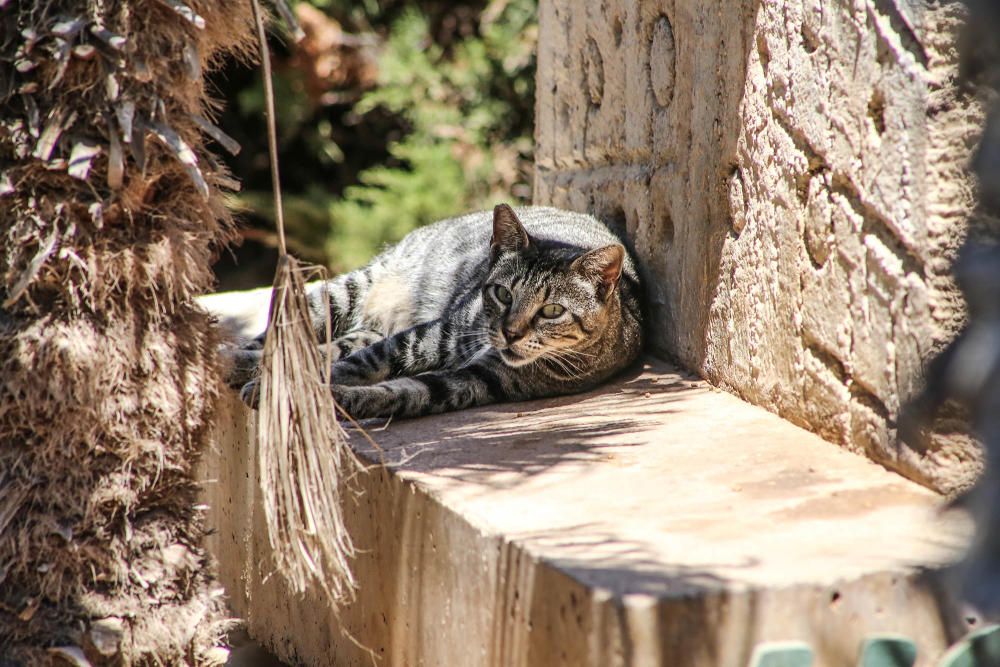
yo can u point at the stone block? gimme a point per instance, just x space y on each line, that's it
655 521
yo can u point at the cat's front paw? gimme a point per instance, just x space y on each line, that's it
343 396
359 402
347 372
350 399
240 365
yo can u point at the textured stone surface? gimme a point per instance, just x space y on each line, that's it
792 176
657 521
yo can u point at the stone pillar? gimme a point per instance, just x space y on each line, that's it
792 176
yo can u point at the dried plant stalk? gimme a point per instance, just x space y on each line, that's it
302 452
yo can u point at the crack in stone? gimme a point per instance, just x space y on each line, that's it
878 225
900 26
830 360
875 222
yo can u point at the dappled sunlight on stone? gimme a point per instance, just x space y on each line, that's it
516 532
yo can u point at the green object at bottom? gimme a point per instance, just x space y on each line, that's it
979 649
782 654
888 651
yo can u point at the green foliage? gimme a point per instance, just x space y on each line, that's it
470 130
446 127
391 201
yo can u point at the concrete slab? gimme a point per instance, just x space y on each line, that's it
656 521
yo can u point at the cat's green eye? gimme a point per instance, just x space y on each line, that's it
552 310
502 294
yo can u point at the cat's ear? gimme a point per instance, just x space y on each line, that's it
508 233
603 266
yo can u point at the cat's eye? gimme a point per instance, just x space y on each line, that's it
552 310
502 294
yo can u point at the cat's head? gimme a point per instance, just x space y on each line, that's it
547 300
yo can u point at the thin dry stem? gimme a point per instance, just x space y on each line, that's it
303 457
302 451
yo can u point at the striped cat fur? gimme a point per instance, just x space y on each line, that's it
474 310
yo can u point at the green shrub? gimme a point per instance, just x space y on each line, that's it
446 128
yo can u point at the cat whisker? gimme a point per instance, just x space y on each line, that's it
577 362
568 372
472 338
580 353
470 334
472 350
568 352
565 362
473 356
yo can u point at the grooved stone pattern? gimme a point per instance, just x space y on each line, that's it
792 177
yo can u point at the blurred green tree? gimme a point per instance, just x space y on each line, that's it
393 114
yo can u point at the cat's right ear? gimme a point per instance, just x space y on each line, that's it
509 234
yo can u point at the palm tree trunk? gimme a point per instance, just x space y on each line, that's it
110 214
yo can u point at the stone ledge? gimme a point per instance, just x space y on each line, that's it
803 184
656 521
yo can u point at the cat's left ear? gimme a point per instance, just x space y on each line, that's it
508 232
603 266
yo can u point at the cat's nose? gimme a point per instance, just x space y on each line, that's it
511 336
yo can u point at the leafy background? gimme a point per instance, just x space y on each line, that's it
391 114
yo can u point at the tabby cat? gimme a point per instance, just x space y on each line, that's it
470 311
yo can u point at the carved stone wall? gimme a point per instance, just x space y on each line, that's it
792 176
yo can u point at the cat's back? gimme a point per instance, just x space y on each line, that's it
462 242
438 263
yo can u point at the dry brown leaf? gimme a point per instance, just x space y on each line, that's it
226 141
186 12
72 654
169 137
81 157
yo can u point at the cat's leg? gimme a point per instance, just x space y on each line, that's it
241 364
245 362
482 382
424 347
349 343
343 298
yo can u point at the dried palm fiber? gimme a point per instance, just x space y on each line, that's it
110 213
303 458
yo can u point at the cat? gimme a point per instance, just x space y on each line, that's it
477 309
